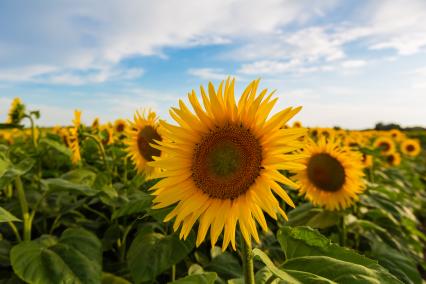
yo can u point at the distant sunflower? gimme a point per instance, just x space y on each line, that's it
333 177
367 160
16 111
222 163
120 126
393 159
385 144
142 134
410 147
396 134
297 124
106 134
74 139
95 124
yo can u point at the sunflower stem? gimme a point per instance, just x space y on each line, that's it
247 258
24 208
101 149
342 230
34 139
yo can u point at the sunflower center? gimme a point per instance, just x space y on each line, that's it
410 148
384 146
120 127
226 162
146 136
391 159
326 172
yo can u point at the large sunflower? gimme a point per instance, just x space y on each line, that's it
73 138
410 147
142 134
333 176
222 163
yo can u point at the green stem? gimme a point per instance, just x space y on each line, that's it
125 171
24 208
34 139
15 231
174 272
342 230
247 258
101 149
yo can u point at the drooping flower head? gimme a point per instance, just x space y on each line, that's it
16 111
142 133
333 177
223 160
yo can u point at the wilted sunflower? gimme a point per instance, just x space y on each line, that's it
95 124
333 177
142 134
393 159
16 111
385 144
221 165
74 139
120 126
410 147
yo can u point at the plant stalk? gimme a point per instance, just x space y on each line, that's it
248 266
24 208
342 230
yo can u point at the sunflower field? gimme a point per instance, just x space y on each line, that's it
227 191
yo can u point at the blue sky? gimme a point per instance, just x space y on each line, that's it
348 63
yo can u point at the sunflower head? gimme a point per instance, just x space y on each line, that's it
333 177
106 133
396 134
367 160
410 147
120 126
143 135
297 124
393 159
226 157
95 124
385 145
16 111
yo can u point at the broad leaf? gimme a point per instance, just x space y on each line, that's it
202 278
6 216
75 258
150 254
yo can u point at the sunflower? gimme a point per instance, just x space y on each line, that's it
106 134
95 124
385 144
396 134
410 147
73 138
333 177
297 124
393 159
120 126
16 111
367 160
142 134
226 157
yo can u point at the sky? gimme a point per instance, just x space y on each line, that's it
349 63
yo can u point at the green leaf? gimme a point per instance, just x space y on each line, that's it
59 184
271 266
150 254
6 216
9 171
226 265
307 215
308 251
398 264
61 148
5 247
108 278
75 258
138 203
203 278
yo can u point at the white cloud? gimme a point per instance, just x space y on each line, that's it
353 63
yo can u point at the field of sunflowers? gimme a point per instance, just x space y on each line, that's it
228 191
